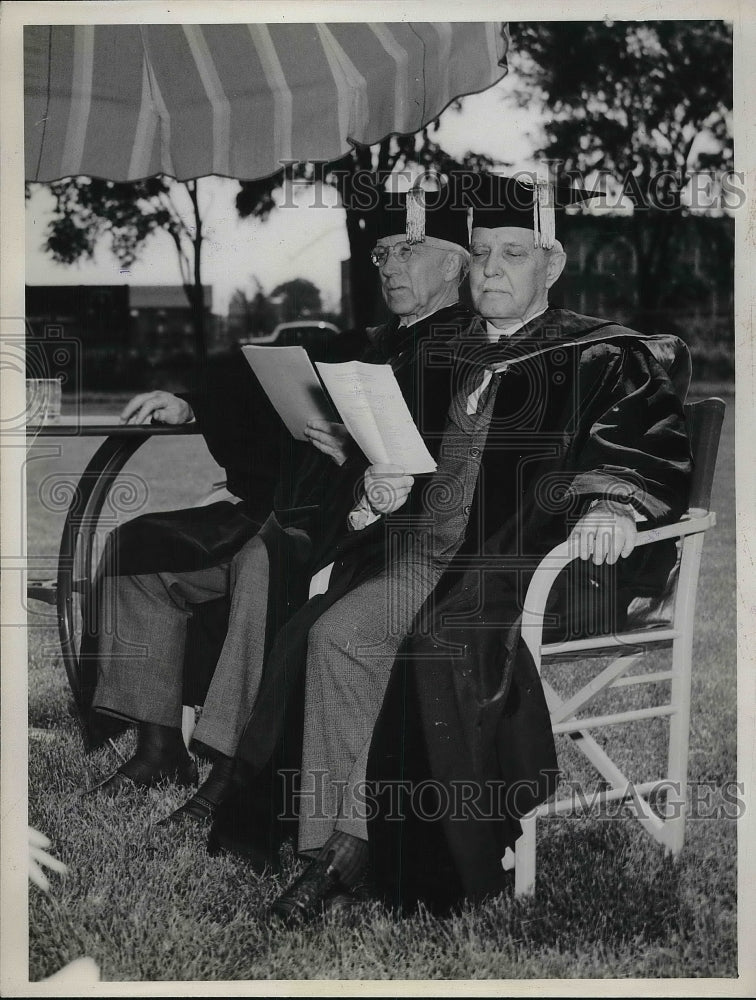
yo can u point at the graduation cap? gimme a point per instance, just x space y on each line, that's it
525 202
430 210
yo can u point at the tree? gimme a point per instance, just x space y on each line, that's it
633 100
239 322
356 176
89 209
263 316
297 299
252 317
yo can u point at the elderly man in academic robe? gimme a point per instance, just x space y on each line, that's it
561 424
318 511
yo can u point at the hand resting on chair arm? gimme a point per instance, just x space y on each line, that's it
605 533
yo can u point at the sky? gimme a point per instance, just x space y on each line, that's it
282 247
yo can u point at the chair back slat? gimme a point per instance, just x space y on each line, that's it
704 420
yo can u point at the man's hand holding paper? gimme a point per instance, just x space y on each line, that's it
387 487
331 438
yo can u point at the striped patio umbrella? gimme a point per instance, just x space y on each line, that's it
125 102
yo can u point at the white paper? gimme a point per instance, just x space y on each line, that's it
374 412
291 384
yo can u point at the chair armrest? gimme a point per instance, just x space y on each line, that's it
562 555
691 524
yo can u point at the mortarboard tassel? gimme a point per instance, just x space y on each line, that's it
416 215
544 224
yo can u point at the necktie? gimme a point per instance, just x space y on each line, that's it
474 398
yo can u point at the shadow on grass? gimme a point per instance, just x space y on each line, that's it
602 884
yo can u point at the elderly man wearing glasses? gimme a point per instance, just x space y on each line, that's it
324 513
543 398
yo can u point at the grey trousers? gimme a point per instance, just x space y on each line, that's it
142 641
353 645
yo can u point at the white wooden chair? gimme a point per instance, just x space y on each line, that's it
704 425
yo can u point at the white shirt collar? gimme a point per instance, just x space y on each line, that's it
403 321
494 333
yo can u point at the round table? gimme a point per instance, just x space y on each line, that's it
92 489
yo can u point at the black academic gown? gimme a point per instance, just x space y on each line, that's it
464 718
569 427
423 360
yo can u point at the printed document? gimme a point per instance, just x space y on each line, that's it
367 397
374 412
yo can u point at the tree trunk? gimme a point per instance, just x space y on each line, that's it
364 284
198 321
196 295
363 229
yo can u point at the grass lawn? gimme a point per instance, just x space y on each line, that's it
149 905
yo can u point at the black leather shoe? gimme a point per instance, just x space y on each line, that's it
147 772
160 756
344 902
197 809
306 896
211 793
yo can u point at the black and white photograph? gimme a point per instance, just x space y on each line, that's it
377 498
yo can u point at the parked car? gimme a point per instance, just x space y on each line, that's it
312 334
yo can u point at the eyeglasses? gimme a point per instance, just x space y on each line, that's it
402 252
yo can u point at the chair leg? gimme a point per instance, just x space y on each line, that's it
679 736
682 668
525 858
